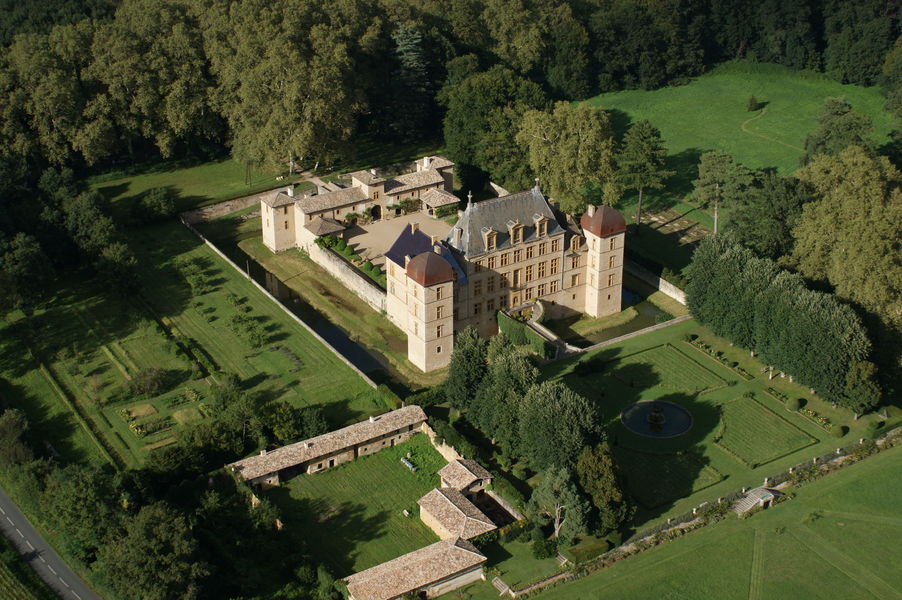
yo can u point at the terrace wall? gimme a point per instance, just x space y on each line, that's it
452 583
643 274
349 277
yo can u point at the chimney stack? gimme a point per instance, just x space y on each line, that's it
373 172
433 239
414 227
290 191
437 248
372 419
457 233
590 210
426 162
406 260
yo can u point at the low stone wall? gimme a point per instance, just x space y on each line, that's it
349 277
628 336
447 452
293 316
516 514
643 274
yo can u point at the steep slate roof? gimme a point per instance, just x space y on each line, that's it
411 181
278 199
328 443
461 473
495 214
331 200
411 243
455 513
415 570
429 268
436 197
323 226
603 222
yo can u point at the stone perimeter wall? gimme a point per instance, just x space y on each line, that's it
653 280
349 277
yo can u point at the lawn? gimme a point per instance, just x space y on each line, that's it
351 516
669 477
68 364
756 435
710 113
320 296
837 539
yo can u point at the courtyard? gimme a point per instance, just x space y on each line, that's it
373 240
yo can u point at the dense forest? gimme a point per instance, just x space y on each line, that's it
92 85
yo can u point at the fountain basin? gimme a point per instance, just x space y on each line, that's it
656 418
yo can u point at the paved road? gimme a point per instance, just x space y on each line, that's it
39 555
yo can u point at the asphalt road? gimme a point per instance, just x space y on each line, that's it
39 555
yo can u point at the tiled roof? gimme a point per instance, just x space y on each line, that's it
413 243
603 221
461 473
411 181
323 226
366 177
328 443
495 214
277 199
439 162
331 200
436 197
415 570
455 513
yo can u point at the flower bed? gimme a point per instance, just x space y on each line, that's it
717 355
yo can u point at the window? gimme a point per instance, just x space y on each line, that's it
490 262
528 273
455 314
574 262
438 293
575 243
554 285
609 296
541 270
267 221
517 277
416 310
555 264
284 210
439 331
477 288
611 244
375 195
490 305
504 258
518 254
319 465
477 266
490 240
477 308
438 349
594 245
611 279
391 287
542 227
543 248
529 251
592 279
439 310
502 301
391 269
515 300
505 280
556 245
528 293
541 291
517 234
286 224
416 329
490 285
574 280
610 262
592 260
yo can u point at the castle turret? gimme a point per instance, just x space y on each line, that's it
430 305
605 231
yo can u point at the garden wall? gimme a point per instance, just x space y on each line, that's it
643 274
447 452
349 277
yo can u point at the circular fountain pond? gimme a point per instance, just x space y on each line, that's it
656 418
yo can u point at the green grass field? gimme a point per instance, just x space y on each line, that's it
350 516
671 476
92 343
837 539
757 435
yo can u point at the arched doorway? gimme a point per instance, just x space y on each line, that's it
376 212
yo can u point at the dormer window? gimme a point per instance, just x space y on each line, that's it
517 234
491 239
542 228
575 243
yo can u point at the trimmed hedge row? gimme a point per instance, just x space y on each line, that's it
522 335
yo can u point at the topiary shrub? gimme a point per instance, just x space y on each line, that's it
544 549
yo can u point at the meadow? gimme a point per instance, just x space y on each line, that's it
351 516
69 365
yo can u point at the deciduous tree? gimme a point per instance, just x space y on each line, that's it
598 476
555 425
467 368
557 500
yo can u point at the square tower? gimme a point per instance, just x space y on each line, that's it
605 231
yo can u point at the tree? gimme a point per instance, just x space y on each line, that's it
467 369
719 178
763 218
598 476
571 150
641 161
156 204
154 558
290 423
555 425
839 128
27 270
857 36
557 500
849 234
13 449
412 94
